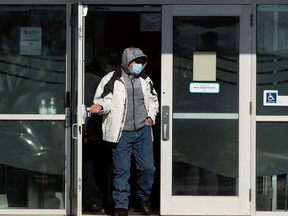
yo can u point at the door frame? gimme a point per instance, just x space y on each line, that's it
199 205
78 13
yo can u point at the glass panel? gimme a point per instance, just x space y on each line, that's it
205 157
220 34
203 149
32 164
272 166
32 57
272 58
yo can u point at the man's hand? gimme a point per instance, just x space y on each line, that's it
95 108
149 121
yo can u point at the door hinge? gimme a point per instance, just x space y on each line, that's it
251 20
250 195
250 107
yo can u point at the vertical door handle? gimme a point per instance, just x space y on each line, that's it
165 123
74 131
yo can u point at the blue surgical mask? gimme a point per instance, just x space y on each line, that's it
136 69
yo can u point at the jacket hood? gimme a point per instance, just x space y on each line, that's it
129 54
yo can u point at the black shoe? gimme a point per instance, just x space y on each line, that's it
109 209
120 212
146 206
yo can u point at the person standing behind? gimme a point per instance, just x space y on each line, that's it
97 155
129 104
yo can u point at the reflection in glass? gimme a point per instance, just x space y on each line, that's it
32 57
205 157
220 34
272 55
32 164
272 166
205 151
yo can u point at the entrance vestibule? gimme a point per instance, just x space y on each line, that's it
112 29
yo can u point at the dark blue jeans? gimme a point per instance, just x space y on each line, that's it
139 143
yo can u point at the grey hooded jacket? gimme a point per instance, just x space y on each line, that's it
111 94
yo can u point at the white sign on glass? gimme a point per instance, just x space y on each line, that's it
271 98
204 66
204 87
30 40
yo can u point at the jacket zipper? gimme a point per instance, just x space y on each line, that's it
133 102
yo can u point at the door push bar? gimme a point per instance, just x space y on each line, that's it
85 114
165 123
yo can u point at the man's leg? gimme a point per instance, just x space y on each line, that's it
143 151
121 160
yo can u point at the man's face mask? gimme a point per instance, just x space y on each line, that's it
136 69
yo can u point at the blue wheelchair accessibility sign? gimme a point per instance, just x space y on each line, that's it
270 97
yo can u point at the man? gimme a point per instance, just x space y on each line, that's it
129 104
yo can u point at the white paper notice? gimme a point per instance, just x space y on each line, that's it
204 66
30 40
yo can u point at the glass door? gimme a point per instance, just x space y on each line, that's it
271 178
205 146
32 108
79 113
